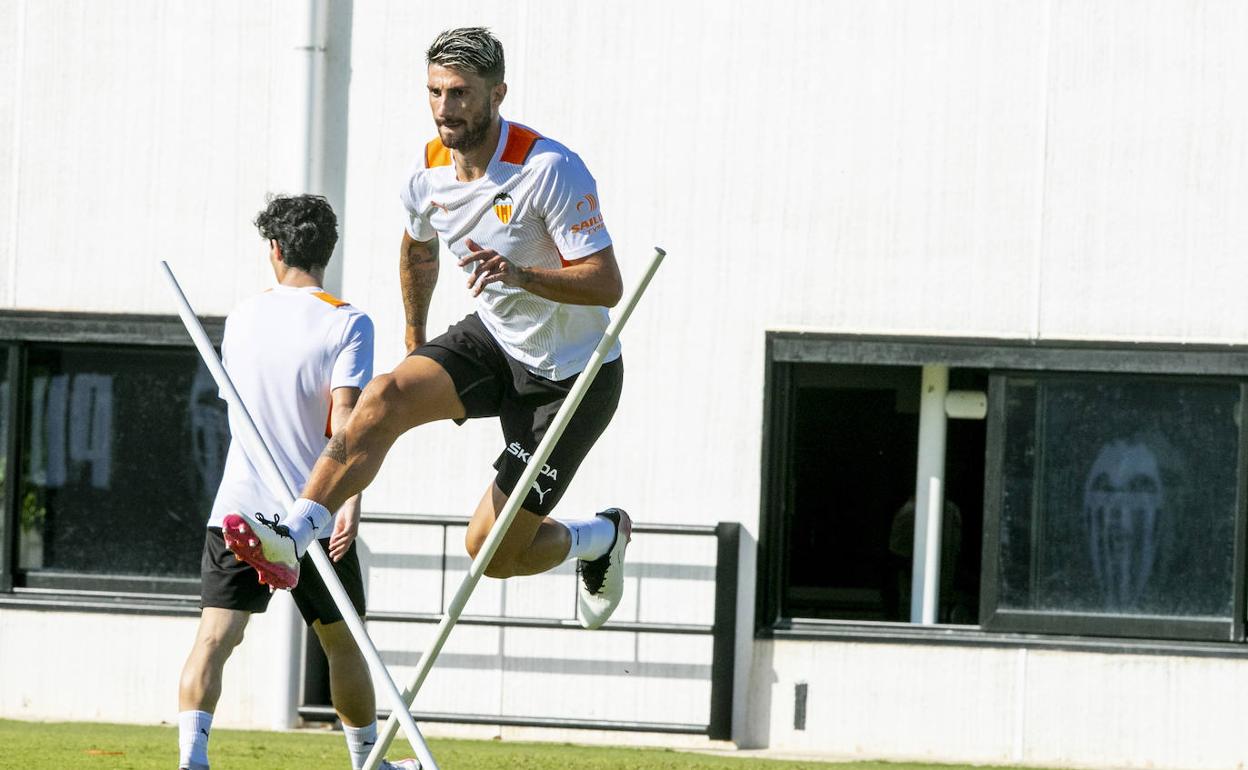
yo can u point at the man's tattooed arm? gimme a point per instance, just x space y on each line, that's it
418 274
336 449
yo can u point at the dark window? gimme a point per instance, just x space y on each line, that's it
122 451
1118 504
112 443
1105 493
849 434
854 436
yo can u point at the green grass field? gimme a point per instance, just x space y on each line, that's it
83 746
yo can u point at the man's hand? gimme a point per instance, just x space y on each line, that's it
346 526
591 280
491 267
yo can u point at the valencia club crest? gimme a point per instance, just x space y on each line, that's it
502 207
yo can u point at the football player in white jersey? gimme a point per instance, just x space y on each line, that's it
520 215
298 357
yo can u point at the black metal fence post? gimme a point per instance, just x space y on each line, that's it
723 651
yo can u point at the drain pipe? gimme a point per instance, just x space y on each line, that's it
304 70
311 26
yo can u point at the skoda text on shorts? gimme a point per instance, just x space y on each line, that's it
535 463
262 458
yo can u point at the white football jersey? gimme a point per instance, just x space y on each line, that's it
536 205
286 350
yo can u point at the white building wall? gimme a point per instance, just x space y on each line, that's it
1146 169
1034 168
957 168
139 131
119 667
997 706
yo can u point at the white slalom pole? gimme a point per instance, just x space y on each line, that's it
505 517
262 459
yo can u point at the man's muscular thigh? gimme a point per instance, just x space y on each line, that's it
418 391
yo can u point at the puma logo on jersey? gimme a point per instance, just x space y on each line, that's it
523 456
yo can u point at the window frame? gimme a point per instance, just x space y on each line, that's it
8 501
19 329
785 349
994 618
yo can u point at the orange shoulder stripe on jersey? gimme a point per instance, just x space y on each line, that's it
325 296
520 141
437 154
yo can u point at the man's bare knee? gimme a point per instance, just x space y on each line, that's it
383 386
392 403
382 414
220 641
377 400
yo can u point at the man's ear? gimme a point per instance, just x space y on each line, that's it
497 94
276 250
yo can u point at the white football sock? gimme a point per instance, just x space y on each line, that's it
193 729
304 520
591 538
360 742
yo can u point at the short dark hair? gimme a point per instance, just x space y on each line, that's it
304 226
469 49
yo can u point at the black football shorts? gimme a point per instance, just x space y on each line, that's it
233 585
491 383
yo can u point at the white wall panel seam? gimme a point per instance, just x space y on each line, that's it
1037 254
15 208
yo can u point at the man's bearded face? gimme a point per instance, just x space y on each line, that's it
467 131
463 106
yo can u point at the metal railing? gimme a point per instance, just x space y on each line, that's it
722 631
